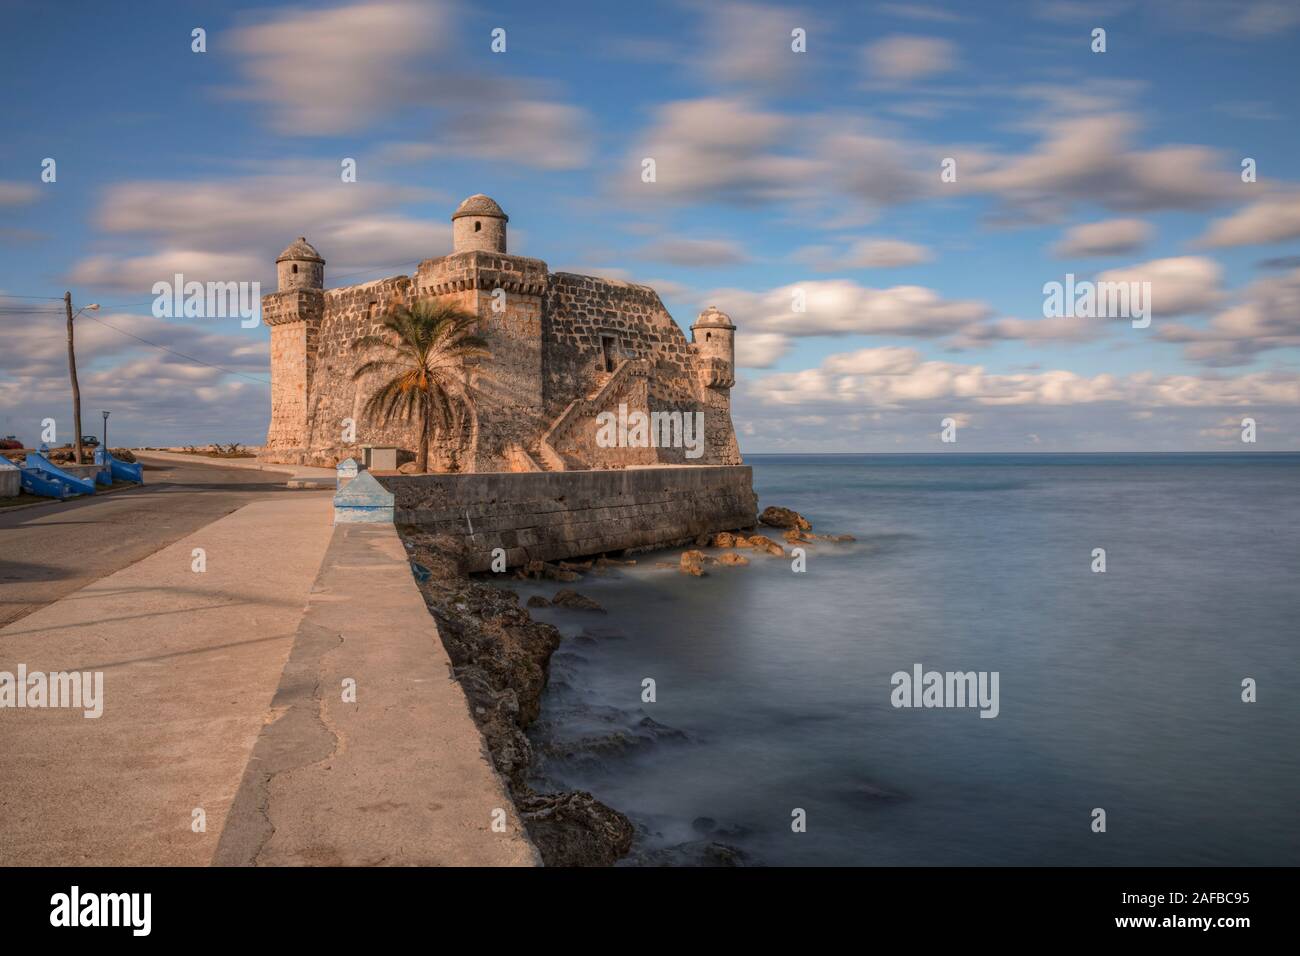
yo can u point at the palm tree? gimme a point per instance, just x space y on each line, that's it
425 347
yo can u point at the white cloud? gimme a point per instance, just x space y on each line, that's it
761 349
895 378
904 58
233 229
866 254
17 194
526 132
1266 317
1108 238
1244 19
843 307
340 70
720 149
327 71
1086 159
1179 286
1274 219
748 44
137 274
702 253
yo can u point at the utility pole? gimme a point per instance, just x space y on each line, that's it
72 371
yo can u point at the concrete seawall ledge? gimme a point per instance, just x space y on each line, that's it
554 515
397 774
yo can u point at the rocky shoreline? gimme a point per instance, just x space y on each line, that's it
501 657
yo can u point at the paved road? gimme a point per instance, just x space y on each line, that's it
52 550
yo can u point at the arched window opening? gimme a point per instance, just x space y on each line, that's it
477 225
295 267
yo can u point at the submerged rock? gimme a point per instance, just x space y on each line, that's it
777 517
538 601
733 559
692 562
575 601
724 539
763 543
539 570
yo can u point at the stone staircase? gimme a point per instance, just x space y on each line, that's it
608 384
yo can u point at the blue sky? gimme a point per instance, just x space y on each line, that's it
776 171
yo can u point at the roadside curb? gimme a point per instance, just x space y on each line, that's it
63 501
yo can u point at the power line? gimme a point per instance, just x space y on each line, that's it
188 358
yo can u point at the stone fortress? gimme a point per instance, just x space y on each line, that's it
564 349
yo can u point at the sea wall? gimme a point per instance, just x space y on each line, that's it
550 516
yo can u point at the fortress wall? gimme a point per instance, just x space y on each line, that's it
545 334
579 309
350 313
509 383
551 516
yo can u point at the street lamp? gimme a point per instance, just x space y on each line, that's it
105 414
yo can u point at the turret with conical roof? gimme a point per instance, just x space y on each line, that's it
478 225
300 266
714 338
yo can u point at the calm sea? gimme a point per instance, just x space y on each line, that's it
1118 690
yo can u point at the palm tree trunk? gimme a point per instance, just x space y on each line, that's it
422 449
472 463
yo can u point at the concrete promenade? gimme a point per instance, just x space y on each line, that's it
190 661
201 713
371 757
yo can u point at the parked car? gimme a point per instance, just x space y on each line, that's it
90 440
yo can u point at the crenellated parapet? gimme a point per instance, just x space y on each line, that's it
298 305
482 271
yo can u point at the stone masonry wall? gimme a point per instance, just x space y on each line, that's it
509 382
552 336
581 311
551 516
294 318
350 313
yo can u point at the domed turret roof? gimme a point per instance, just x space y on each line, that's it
480 205
716 318
300 249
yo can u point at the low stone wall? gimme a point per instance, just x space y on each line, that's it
549 516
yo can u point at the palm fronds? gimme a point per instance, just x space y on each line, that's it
424 351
